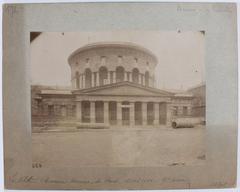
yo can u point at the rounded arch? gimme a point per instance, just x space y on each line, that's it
77 80
103 75
120 74
88 78
147 78
135 75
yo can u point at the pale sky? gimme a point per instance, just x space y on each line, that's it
180 55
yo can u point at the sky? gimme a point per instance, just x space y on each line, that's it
180 55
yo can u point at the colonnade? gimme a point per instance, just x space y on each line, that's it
123 113
93 79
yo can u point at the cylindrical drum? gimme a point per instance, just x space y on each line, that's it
185 122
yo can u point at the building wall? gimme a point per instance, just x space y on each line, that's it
111 57
182 106
199 101
94 59
52 110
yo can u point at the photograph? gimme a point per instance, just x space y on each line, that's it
121 98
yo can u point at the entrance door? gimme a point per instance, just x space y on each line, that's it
138 113
113 112
125 116
99 112
150 113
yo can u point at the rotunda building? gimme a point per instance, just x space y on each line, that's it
107 63
112 85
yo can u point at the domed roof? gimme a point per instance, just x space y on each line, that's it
113 44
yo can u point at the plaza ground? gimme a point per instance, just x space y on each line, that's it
120 147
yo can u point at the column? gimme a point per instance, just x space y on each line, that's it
153 81
139 78
108 77
97 78
106 112
150 82
143 80
83 81
114 76
80 82
119 113
132 115
125 76
144 113
168 114
79 111
156 113
130 77
93 83
92 112
73 83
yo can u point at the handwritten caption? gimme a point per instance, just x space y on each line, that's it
16 178
205 9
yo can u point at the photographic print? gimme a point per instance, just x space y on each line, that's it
132 98
120 96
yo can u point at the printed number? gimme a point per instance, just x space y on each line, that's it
36 165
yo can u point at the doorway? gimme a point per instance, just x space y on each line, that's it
125 116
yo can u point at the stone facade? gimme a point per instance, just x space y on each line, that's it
113 85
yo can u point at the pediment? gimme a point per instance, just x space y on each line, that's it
124 89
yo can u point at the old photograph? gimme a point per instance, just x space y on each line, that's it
118 98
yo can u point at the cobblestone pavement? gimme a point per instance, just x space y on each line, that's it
120 147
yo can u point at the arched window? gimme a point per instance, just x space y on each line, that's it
103 75
77 80
135 75
88 78
120 74
147 78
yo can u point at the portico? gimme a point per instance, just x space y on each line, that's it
122 113
132 108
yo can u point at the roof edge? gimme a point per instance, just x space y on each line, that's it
116 44
124 83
